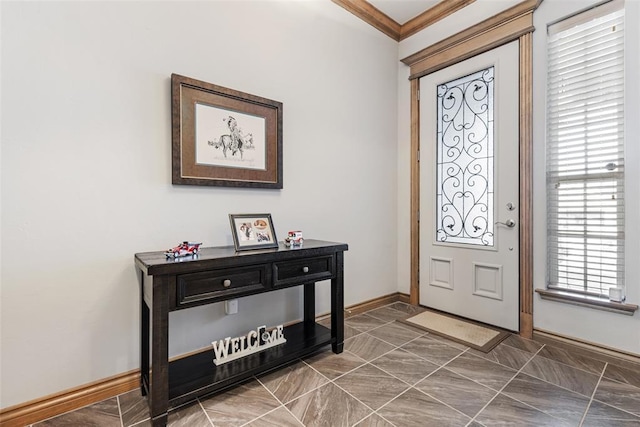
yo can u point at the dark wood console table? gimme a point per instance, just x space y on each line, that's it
219 274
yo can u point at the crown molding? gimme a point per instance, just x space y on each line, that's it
495 31
372 16
378 19
431 16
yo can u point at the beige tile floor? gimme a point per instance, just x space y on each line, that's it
393 375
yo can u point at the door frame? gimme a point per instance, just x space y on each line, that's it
515 23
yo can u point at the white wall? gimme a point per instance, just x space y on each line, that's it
404 180
86 168
608 329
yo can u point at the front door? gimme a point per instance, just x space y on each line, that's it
469 188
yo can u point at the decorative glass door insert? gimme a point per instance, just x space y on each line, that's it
464 168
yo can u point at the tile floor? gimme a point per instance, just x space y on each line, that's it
393 375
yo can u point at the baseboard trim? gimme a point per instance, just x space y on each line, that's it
360 308
69 400
76 398
596 351
354 310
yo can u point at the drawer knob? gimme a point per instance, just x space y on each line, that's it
226 283
305 269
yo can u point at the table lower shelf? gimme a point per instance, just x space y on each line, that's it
197 375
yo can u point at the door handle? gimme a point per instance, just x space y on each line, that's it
509 223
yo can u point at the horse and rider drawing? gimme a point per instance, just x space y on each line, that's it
235 141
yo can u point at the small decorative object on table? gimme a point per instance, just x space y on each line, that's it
183 249
253 231
294 238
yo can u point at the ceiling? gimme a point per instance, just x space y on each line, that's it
400 19
402 11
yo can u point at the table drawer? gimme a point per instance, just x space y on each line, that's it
308 270
217 285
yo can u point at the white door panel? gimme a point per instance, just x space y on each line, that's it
469 188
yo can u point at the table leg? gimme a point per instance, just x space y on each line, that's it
337 305
309 298
309 308
159 390
144 339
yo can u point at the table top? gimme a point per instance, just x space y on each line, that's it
154 263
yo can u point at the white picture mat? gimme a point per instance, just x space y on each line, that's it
211 123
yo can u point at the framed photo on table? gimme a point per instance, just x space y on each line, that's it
253 231
224 137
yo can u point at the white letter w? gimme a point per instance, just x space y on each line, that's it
221 348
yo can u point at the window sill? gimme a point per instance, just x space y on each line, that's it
587 301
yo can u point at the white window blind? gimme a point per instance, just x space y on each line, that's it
585 151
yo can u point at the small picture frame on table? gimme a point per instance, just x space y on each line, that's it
252 231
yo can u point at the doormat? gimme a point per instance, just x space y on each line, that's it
474 335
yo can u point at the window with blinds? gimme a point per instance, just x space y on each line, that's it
585 151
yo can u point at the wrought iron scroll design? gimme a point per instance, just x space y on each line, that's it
464 168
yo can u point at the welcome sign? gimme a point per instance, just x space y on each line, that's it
256 340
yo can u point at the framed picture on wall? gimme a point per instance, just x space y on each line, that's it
224 137
252 231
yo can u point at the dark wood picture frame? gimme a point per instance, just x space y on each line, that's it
253 231
244 149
